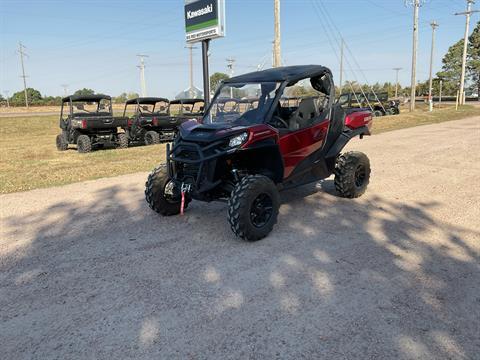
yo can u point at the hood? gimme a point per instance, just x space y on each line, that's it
195 132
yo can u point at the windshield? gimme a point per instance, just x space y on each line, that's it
103 106
230 105
161 107
190 108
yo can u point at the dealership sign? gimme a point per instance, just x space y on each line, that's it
204 19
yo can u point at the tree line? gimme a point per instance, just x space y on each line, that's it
35 98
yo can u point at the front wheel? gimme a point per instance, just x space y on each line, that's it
84 144
160 193
352 174
122 140
62 143
253 207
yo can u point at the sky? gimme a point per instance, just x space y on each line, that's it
94 43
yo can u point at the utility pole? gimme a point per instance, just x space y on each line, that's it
21 51
142 74
277 59
396 81
65 89
465 47
191 47
413 83
6 97
230 64
434 25
440 94
341 65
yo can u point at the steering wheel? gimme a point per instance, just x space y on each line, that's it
277 120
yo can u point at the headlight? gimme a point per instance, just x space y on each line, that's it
238 140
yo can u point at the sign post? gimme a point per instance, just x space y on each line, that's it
204 20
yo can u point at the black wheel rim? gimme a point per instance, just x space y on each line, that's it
360 175
261 210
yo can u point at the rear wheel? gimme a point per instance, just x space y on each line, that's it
253 207
377 113
352 174
122 141
62 143
160 193
84 144
152 137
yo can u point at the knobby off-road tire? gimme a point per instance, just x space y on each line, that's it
151 138
84 144
352 174
243 210
62 143
155 193
122 140
377 113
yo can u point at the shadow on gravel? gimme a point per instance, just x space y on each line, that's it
338 278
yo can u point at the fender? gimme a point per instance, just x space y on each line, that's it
344 138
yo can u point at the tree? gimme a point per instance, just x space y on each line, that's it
216 79
120 99
34 97
132 95
84 92
474 57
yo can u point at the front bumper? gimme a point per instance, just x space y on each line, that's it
200 166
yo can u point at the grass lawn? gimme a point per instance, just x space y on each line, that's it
30 160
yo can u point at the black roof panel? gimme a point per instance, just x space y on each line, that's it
146 100
285 73
95 97
186 101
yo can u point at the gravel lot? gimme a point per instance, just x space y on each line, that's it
87 271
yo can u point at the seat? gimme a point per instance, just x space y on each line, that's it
304 115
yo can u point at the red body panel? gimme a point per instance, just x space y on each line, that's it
359 119
297 145
260 132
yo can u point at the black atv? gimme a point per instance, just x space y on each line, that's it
246 157
379 103
150 122
88 122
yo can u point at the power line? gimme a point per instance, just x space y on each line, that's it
21 51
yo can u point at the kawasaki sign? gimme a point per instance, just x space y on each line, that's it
204 19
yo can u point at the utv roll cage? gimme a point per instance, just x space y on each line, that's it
192 102
148 101
96 98
321 80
